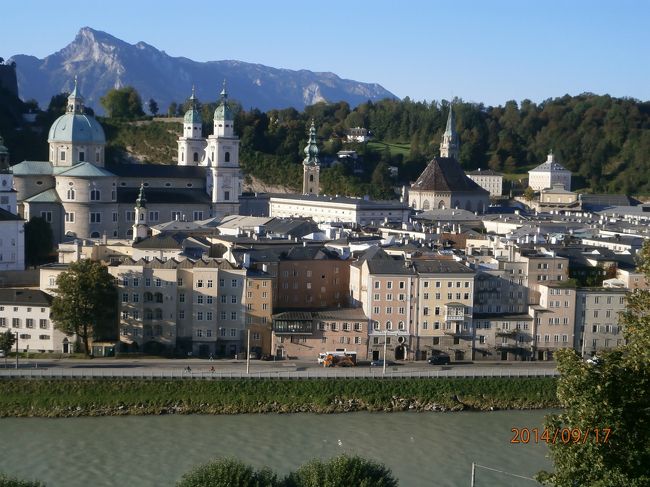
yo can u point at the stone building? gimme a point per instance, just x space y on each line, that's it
549 174
443 183
597 325
489 180
82 196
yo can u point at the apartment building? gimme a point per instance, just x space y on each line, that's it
554 318
26 313
597 319
541 266
445 298
305 334
386 289
259 312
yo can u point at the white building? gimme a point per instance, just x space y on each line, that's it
488 180
358 134
326 209
27 313
549 174
12 232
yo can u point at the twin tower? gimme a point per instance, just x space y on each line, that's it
219 153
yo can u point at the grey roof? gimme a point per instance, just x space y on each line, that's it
598 202
76 127
6 216
358 202
23 296
168 196
441 266
47 196
352 314
86 170
445 174
156 171
550 166
28 168
166 241
484 172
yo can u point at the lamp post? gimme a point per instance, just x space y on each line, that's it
17 336
248 351
384 364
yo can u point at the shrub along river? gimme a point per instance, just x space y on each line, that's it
422 449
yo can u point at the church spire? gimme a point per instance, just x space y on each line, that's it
311 149
449 144
311 165
141 202
75 100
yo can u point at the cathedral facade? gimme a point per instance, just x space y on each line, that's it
80 195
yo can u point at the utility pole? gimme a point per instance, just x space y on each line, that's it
248 352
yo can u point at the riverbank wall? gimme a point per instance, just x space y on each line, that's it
71 398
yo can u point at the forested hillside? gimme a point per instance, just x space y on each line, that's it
604 141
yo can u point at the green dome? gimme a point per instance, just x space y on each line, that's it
192 116
223 111
77 127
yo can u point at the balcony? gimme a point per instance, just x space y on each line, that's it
506 333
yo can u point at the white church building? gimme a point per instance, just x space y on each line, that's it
81 195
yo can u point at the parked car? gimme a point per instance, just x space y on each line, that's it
439 360
380 363
2 354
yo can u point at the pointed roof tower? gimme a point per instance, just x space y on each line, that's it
141 202
311 149
223 111
449 145
192 115
75 100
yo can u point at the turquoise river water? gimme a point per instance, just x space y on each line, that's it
422 449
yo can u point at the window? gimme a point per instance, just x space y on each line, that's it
346 326
42 324
47 216
233 283
125 315
233 332
94 195
125 297
29 323
233 315
129 216
69 217
158 282
147 282
377 284
153 216
357 327
136 298
181 298
226 195
181 314
199 283
223 298
209 299
199 316
199 299
95 217
71 194
389 285
233 299
176 215
198 215
375 310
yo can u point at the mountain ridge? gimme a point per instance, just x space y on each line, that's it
102 62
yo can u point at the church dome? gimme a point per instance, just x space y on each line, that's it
78 128
192 116
223 111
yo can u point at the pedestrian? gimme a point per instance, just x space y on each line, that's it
212 369
211 358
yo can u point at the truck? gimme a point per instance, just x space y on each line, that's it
338 358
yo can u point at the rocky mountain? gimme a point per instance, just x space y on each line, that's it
102 62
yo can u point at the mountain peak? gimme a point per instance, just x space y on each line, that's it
103 62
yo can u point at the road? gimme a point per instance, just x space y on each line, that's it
224 369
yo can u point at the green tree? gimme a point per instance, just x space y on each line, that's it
6 481
122 103
529 194
227 473
7 341
153 107
612 394
39 241
342 471
85 303
171 111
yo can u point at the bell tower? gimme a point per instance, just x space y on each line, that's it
140 225
311 165
449 146
191 146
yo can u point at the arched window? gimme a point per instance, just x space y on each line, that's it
94 195
400 325
226 157
311 178
94 235
389 325
159 298
71 194
441 205
196 157
425 205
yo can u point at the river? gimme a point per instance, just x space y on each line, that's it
422 449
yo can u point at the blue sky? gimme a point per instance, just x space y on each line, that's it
483 51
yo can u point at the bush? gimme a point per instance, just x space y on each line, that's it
228 473
14 482
342 471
